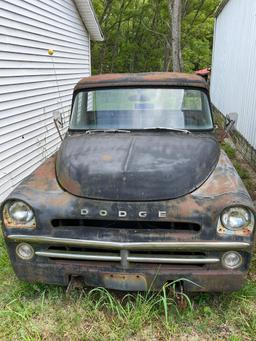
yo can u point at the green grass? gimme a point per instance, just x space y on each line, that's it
44 312
230 151
241 169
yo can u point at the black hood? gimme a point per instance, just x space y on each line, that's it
135 167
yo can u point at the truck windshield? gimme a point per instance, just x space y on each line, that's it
141 108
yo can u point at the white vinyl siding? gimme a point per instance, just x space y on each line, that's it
33 84
233 82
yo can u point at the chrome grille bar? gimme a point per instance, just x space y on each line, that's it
130 258
149 246
173 260
79 256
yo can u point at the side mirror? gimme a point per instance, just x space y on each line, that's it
57 117
230 122
58 121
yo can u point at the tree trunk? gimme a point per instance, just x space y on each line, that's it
167 57
175 7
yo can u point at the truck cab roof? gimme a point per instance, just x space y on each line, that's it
142 79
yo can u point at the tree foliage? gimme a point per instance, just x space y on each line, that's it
138 35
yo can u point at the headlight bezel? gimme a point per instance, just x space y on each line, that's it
245 230
10 222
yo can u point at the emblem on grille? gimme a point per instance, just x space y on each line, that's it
122 213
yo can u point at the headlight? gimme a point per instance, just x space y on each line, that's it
236 218
232 260
20 212
17 213
25 251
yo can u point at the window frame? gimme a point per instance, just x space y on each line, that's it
204 90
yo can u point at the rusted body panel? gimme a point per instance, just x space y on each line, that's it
131 165
42 191
142 79
203 206
139 279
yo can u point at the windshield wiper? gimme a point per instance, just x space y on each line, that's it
93 131
168 129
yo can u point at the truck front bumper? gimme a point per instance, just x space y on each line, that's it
130 266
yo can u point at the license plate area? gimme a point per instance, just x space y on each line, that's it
125 282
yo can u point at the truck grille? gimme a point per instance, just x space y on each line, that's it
125 252
124 224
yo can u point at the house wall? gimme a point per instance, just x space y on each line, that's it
233 81
33 85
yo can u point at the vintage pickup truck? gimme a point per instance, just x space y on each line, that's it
138 195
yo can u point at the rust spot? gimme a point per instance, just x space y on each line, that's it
127 281
68 182
61 200
43 177
223 180
10 223
140 79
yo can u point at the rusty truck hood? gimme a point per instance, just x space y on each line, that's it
135 167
